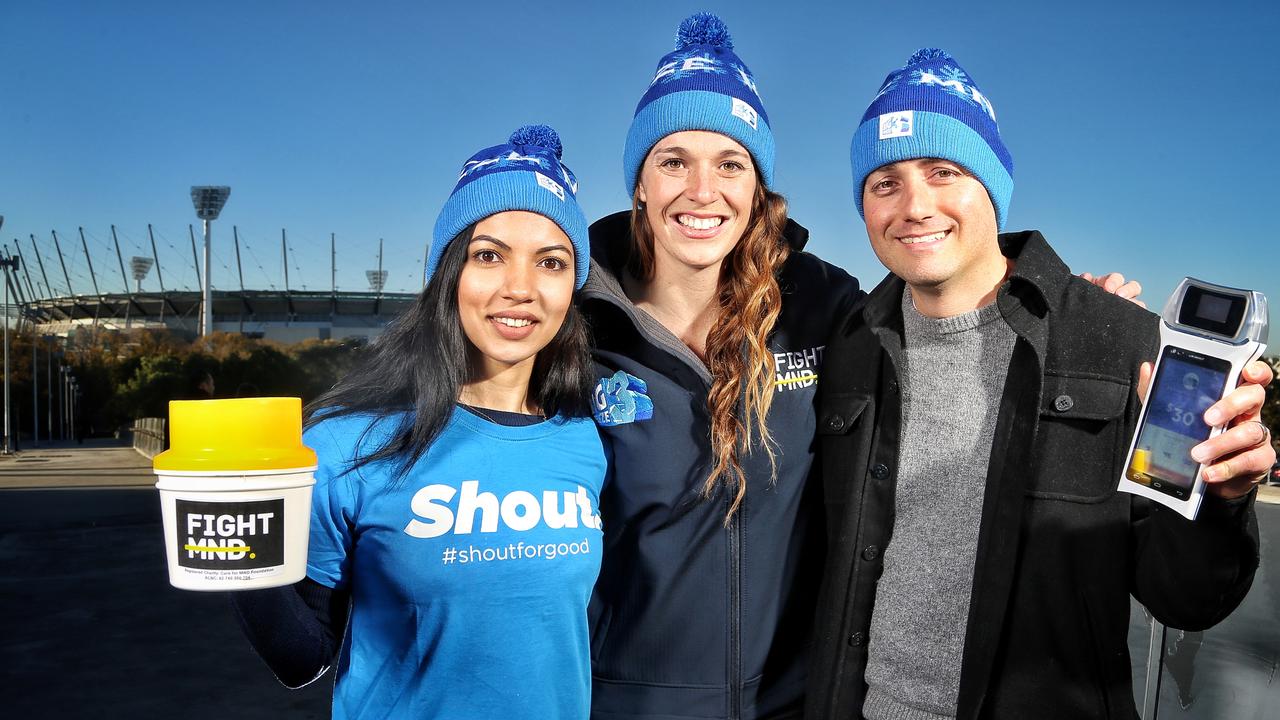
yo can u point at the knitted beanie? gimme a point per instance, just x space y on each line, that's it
524 174
931 108
701 85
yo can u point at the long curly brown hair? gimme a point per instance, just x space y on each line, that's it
737 353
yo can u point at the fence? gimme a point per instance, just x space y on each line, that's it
148 436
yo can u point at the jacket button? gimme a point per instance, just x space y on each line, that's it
871 552
835 422
880 471
856 639
1063 403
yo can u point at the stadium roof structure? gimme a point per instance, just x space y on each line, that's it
291 315
287 315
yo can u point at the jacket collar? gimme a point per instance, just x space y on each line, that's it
1039 276
610 250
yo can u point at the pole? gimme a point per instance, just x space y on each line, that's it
15 280
66 400
120 259
159 275
62 261
47 287
8 440
97 307
58 388
235 233
156 256
35 391
207 327
380 267
26 272
284 257
92 275
48 391
128 299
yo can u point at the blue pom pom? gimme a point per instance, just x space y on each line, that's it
926 54
540 135
703 29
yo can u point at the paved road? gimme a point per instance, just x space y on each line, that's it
90 627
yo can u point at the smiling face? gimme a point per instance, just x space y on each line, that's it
697 188
932 224
514 290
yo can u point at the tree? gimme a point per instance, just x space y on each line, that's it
134 374
1271 406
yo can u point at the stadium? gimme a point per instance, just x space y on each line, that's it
59 286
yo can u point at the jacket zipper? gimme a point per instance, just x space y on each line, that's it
735 616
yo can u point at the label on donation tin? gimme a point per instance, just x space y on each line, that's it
231 536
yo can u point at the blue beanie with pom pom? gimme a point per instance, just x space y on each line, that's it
931 108
523 174
701 85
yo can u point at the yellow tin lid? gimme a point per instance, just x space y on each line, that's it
237 434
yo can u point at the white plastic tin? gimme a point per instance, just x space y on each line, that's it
236 530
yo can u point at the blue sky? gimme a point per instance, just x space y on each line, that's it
1142 133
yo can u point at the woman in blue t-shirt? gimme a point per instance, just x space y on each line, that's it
454 533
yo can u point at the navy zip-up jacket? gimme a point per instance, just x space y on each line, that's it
692 618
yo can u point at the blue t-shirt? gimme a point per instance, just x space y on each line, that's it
469 576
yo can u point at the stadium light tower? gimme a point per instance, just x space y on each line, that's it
140 266
208 200
377 279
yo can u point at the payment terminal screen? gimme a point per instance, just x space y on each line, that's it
1186 385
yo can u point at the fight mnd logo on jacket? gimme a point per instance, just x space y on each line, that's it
797 369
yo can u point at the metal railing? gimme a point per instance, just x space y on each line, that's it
148 436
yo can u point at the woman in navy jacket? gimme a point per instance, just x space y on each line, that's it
703 293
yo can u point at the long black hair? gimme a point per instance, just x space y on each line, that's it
419 365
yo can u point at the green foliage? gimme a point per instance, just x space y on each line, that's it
157 380
122 376
1271 406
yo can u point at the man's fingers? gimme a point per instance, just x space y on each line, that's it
1240 405
1144 379
1238 439
1257 372
1129 290
1236 474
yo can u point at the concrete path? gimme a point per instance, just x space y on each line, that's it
96 463
89 625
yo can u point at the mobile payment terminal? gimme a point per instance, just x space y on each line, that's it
1208 333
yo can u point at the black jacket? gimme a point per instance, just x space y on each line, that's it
690 618
1059 550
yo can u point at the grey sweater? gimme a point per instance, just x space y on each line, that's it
952 382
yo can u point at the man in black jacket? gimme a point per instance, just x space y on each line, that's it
973 421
